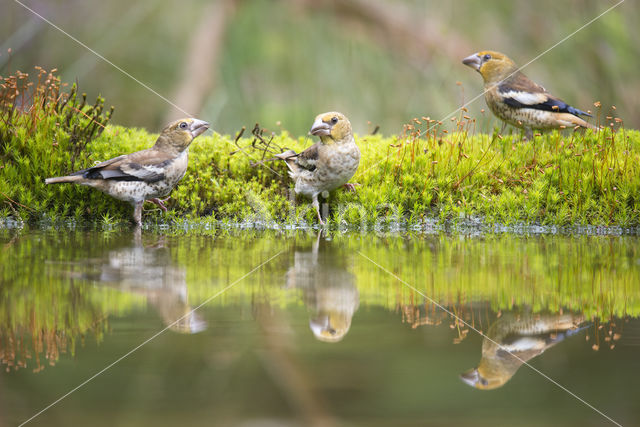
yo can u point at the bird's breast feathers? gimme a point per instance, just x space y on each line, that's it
335 165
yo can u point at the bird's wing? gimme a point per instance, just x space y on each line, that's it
147 165
308 159
520 92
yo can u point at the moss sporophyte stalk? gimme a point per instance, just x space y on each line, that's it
433 170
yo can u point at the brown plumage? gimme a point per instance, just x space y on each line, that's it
327 164
143 175
514 339
328 289
519 101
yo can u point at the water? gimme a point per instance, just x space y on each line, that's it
294 328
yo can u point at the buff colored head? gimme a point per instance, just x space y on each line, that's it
493 66
330 326
487 381
332 127
178 135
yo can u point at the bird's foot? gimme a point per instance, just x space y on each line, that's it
351 186
317 206
160 203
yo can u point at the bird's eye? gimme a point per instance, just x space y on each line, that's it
486 57
334 120
183 125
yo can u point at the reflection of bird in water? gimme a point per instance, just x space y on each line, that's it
329 291
523 335
149 271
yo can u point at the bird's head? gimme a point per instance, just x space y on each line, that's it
332 128
491 374
177 136
330 327
493 66
475 379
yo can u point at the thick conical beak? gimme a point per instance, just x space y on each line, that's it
323 331
473 61
471 377
198 127
320 128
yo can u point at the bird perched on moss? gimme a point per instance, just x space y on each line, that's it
327 164
517 100
143 175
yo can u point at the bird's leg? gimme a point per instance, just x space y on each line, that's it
137 213
351 186
502 129
160 203
528 134
316 205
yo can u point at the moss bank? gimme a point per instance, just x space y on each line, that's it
432 171
557 179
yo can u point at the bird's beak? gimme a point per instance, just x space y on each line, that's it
473 61
319 324
198 127
323 331
471 377
320 128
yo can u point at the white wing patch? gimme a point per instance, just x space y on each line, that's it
144 172
525 344
526 98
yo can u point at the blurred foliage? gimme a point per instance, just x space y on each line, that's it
60 285
285 61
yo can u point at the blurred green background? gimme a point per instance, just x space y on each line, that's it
280 62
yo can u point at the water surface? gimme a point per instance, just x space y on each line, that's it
299 328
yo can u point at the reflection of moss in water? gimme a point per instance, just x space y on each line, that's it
46 304
594 275
597 276
42 322
44 309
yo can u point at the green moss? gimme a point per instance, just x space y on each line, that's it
44 131
558 178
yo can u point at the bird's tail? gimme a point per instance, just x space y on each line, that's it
289 157
577 121
577 112
63 179
587 125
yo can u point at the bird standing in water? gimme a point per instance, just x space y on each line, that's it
517 100
144 175
327 164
